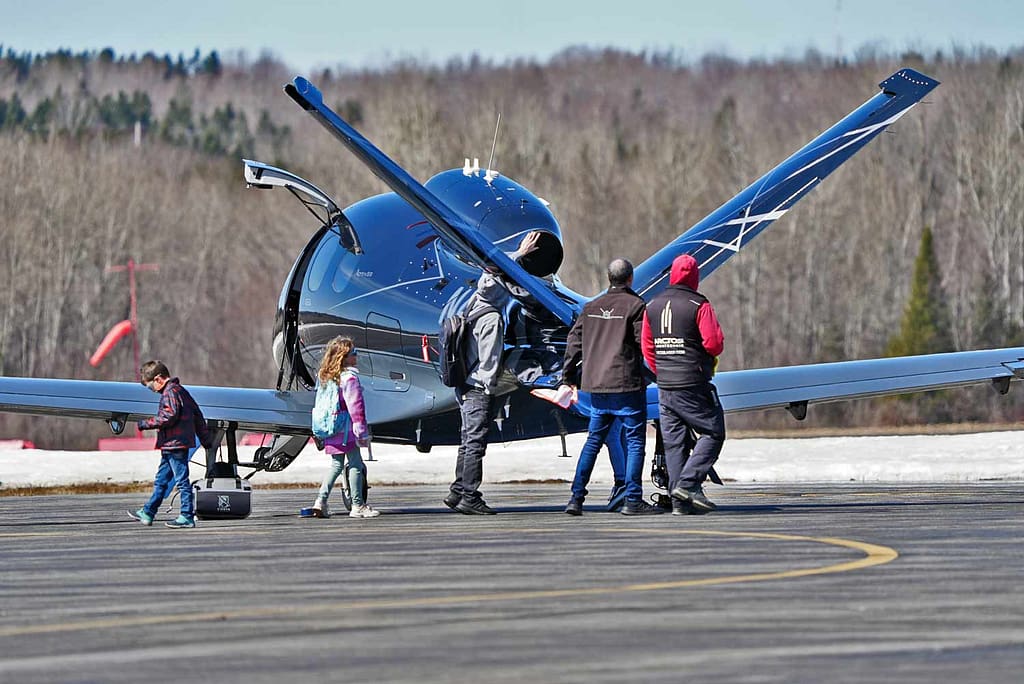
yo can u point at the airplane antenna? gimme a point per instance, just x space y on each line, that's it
494 142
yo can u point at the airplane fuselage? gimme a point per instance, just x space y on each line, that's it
389 300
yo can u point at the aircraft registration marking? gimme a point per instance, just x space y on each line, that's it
874 554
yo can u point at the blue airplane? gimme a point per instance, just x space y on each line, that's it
383 270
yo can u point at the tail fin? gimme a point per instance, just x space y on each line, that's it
734 224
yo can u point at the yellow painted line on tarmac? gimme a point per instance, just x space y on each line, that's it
874 554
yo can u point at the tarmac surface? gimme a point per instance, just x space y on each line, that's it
785 583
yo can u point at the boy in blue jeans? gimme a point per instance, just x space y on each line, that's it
178 421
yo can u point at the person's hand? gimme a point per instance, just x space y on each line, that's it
565 396
529 243
364 442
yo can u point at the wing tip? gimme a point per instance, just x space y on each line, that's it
910 82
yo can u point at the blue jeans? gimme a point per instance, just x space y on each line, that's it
173 468
356 476
630 408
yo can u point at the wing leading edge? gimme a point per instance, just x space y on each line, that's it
732 226
259 410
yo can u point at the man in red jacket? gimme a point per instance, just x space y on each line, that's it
681 347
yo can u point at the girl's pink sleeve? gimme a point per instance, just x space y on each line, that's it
352 393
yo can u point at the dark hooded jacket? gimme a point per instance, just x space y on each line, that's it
682 345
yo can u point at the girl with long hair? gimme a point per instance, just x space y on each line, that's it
339 366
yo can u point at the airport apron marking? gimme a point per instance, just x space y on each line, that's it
874 554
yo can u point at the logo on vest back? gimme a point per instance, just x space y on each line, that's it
606 315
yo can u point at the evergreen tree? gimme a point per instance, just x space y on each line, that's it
177 127
12 114
926 327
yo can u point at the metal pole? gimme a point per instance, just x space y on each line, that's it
134 316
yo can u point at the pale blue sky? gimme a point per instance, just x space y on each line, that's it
308 33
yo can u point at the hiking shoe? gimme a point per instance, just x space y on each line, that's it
321 509
180 523
680 507
474 507
640 508
363 511
695 497
452 500
574 507
142 516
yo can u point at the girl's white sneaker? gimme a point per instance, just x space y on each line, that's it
363 511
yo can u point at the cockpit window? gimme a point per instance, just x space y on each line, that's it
347 265
322 261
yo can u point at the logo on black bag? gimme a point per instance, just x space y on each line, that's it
223 503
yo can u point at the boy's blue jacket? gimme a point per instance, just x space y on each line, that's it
179 419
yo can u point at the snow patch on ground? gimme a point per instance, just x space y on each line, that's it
915 458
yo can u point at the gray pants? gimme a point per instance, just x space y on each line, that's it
475 407
697 407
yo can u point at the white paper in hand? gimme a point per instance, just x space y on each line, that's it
564 396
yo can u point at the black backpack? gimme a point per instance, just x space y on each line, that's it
453 344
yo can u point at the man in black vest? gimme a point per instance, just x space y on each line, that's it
681 341
604 348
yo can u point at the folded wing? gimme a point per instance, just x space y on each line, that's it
733 225
450 226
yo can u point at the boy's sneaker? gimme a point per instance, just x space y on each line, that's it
142 516
452 500
321 509
363 511
180 523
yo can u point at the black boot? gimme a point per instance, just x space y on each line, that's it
680 507
574 507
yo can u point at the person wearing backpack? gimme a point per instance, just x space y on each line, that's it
483 362
179 421
339 417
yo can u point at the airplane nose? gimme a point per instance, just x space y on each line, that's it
545 257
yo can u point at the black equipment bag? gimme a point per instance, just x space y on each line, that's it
453 344
222 495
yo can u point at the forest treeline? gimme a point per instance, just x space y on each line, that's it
107 158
